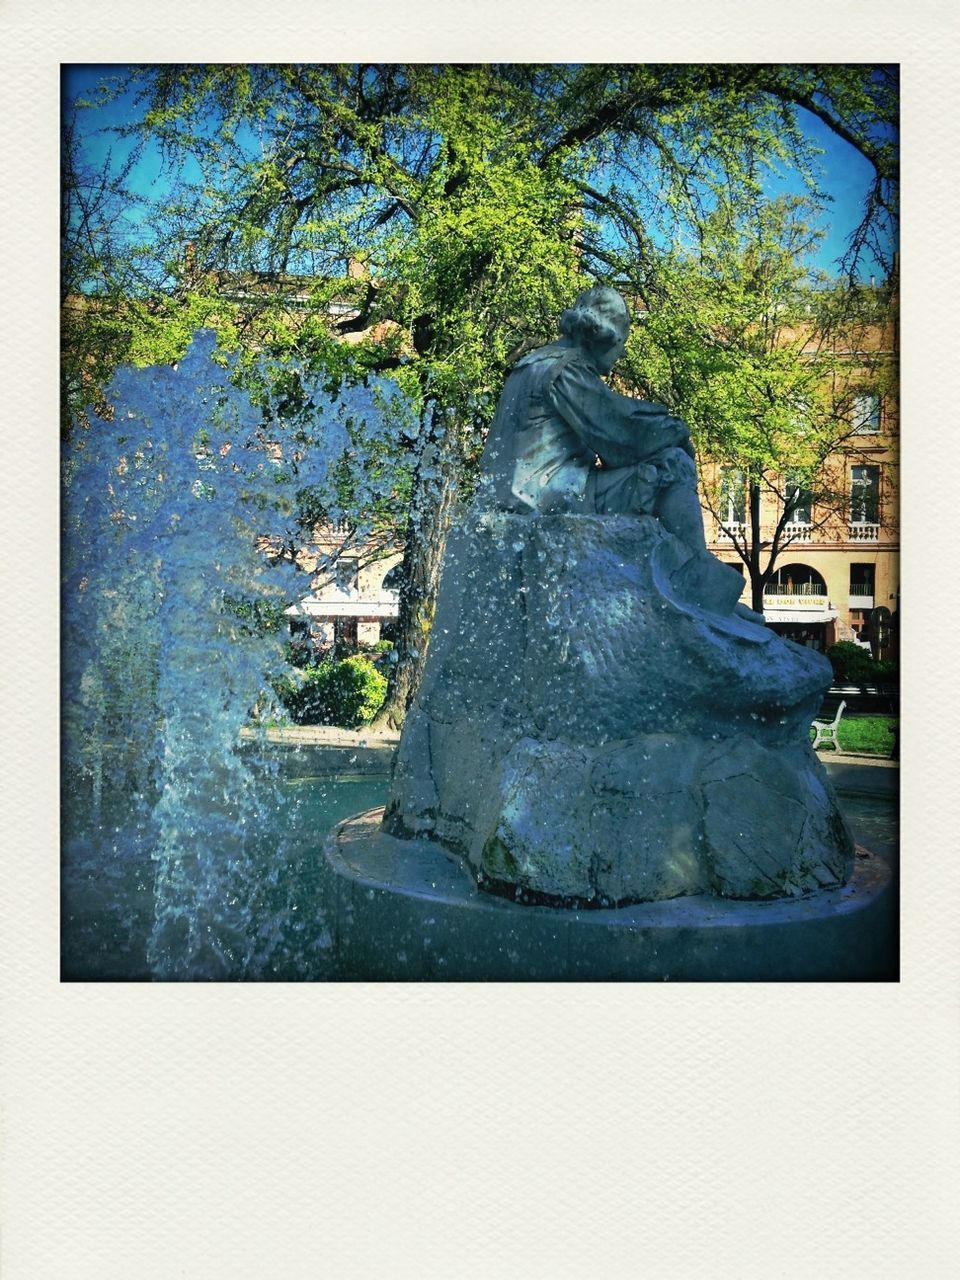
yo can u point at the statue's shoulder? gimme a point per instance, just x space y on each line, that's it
551 359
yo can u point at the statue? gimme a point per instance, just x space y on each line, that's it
600 721
556 418
563 441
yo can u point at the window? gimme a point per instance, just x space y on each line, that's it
860 621
733 496
346 574
866 415
861 579
865 495
345 633
797 493
796 580
300 647
803 413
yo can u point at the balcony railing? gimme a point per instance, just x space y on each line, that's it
799 531
862 532
795 589
730 527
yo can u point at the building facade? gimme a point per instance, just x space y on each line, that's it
837 575
354 595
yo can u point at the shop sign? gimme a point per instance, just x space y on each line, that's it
794 602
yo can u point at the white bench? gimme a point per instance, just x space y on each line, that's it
826 730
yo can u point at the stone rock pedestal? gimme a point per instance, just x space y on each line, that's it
404 910
593 730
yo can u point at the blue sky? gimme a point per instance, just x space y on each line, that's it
846 174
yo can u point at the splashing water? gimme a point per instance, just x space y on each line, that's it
170 502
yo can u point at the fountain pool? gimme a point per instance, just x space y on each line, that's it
183 857
109 881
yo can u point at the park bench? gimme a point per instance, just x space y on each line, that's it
825 731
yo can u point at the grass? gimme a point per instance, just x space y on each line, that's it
865 735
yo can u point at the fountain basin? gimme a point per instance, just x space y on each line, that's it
406 910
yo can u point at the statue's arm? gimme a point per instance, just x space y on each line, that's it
619 429
659 427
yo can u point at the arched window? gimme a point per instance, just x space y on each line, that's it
393 580
795 580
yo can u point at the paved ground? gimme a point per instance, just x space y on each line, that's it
862 775
316 750
319 735
363 750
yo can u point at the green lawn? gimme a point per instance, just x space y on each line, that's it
865 735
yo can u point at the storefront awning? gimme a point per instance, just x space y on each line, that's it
794 607
824 613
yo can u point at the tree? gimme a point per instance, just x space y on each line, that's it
481 198
742 340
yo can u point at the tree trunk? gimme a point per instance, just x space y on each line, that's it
434 487
758 576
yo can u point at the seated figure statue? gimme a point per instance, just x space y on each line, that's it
563 441
599 720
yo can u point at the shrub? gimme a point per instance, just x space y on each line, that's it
286 687
382 654
297 652
347 693
851 664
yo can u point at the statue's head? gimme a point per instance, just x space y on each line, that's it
599 322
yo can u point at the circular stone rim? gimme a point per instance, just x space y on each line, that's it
422 869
